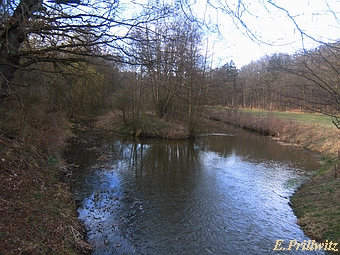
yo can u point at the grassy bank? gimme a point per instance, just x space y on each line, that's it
313 132
146 126
317 202
37 210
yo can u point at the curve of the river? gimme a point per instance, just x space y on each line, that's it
211 195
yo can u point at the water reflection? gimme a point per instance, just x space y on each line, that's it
212 195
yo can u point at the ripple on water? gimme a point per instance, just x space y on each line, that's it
215 195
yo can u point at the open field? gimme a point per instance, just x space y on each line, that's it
307 118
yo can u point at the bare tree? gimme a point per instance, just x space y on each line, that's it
65 31
316 81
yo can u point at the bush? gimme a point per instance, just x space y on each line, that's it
45 131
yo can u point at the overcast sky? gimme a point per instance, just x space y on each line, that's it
275 29
274 26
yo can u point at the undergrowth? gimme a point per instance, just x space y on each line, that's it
37 210
146 126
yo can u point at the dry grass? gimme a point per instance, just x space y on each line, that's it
176 131
37 212
109 121
317 205
36 127
147 126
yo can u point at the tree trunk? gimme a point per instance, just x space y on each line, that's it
11 38
10 43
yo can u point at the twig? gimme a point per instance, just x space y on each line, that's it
335 171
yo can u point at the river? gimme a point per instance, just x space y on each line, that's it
219 194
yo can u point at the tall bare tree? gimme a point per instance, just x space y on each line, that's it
65 31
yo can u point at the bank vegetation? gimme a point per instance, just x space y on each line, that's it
152 76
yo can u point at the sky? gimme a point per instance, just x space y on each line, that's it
274 26
271 29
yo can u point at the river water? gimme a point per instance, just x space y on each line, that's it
212 195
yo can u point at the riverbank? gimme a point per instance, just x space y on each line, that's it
147 126
317 202
37 210
316 135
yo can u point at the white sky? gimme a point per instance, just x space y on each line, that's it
275 31
319 19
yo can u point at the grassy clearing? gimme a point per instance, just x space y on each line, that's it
306 118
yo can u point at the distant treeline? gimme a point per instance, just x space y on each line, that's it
304 81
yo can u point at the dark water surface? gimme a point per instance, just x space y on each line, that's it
212 195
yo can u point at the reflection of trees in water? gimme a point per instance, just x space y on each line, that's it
255 147
166 162
162 157
158 189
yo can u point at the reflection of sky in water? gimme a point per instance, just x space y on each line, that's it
168 198
105 211
257 194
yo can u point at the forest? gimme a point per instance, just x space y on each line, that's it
165 74
61 62
147 64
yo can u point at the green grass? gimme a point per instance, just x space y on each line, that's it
308 118
316 205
